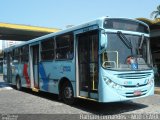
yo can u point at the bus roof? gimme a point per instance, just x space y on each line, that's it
74 28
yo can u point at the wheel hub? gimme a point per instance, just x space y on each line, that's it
68 92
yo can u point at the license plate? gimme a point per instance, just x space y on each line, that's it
137 93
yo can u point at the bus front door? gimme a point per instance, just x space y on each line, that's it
88 64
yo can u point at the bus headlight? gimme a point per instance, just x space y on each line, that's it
112 84
107 80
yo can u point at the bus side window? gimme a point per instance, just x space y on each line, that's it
25 54
64 46
16 55
47 49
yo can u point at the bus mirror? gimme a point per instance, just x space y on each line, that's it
103 40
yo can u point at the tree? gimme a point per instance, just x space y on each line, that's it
156 13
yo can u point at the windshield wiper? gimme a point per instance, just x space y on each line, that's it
124 39
141 42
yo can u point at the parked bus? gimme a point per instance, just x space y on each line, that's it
105 60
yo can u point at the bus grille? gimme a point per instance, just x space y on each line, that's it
132 86
131 94
134 75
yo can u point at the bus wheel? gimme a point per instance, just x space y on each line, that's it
67 93
18 83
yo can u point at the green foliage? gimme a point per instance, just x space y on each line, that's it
156 13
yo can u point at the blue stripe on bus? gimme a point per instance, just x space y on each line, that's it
44 77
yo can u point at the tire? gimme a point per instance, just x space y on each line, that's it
67 93
18 83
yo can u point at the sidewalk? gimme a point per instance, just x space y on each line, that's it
157 90
157 87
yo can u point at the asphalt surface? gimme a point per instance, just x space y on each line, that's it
28 102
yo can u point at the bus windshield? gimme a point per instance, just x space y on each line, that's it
126 52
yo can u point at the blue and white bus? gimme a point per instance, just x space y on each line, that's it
105 60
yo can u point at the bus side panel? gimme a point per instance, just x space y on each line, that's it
15 72
23 81
47 79
50 73
24 72
66 69
19 70
25 75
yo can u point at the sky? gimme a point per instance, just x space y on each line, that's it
60 13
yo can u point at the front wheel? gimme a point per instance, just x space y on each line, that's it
18 83
67 93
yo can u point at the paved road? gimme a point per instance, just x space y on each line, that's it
27 102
